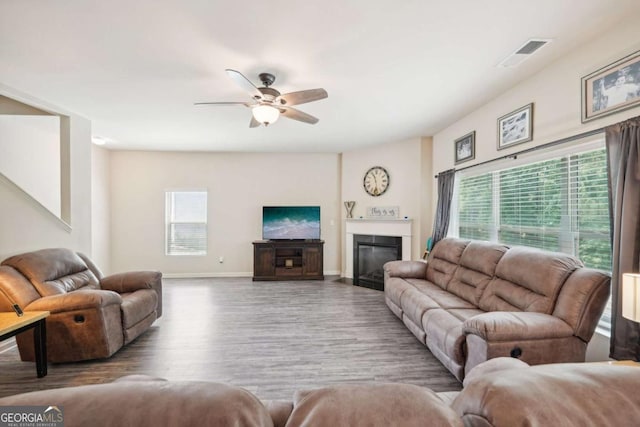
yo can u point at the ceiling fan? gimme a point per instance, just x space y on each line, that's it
267 104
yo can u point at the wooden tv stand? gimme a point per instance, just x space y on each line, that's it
287 260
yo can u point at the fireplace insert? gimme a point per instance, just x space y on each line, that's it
370 253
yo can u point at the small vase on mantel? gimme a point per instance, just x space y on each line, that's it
349 204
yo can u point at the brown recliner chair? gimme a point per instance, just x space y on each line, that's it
92 316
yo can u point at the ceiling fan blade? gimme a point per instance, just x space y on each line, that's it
303 96
254 123
292 113
246 104
244 83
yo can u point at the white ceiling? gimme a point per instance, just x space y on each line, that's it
394 69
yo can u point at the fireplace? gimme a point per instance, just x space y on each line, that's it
370 253
374 227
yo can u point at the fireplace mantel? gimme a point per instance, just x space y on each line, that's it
376 227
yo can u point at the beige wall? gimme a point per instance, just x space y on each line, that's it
100 208
403 160
37 175
26 225
555 92
238 184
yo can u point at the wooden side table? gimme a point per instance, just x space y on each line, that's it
11 325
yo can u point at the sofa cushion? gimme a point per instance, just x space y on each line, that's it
553 395
371 405
444 331
54 271
476 269
443 261
394 287
152 403
527 280
395 309
415 304
465 313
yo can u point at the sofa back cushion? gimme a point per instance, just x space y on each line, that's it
475 270
91 266
151 402
444 259
562 394
371 404
15 289
528 279
54 271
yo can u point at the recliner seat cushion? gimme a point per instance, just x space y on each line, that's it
415 304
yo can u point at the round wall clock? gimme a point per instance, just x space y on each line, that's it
376 181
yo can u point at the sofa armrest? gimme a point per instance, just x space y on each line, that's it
130 281
77 300
135 280
406 269
509 326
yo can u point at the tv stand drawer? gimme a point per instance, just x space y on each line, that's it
294 271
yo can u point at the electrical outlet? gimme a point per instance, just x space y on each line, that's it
221 259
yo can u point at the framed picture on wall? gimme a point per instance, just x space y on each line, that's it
515 127
465 147
610 89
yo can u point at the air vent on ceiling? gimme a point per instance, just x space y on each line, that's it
523 52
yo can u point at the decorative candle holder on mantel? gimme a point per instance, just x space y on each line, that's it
349 204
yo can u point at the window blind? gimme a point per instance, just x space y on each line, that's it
186 222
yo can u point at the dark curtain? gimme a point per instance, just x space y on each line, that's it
446 180
623 153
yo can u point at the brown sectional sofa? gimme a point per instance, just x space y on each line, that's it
92 316
498 393
473 301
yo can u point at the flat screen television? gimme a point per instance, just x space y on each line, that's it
291 222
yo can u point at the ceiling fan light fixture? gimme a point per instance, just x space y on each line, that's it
267 103
266 114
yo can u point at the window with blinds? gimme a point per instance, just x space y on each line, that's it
186 222
559 202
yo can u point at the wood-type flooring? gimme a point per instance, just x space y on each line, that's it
272 338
